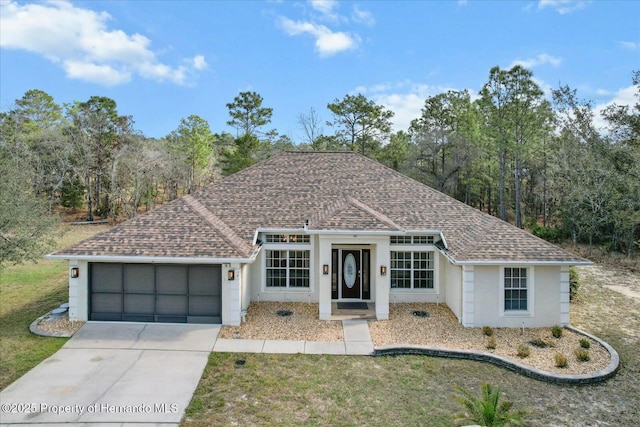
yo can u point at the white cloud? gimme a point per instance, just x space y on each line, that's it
88 71
404 98
628 45
541 59
362 16
327 9
80 40
199 63
624 96
324 6
327 42
563 7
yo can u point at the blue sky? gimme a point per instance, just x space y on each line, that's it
165 60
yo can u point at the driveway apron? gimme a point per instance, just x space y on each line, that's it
114 373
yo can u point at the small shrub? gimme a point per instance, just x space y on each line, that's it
582 354
487 331
556 331
574 283
491 343
561 360
585 343
523 351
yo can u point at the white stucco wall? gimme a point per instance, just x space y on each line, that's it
245 291
564 296
257 281
544 297
231 295
78 292
452 281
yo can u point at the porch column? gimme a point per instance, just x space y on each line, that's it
79 292
231 295
324 281
382 258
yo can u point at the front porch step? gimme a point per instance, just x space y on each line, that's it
368 314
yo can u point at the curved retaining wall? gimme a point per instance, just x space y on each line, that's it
510 364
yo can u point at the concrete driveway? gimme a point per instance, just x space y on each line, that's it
114 373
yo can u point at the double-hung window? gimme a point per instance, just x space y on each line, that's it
287 267
412 270
515 289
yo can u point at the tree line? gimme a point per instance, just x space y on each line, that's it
539 163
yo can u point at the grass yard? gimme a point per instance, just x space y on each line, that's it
417 390
26 292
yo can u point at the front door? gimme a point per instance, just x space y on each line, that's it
351 274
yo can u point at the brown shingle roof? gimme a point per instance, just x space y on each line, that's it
350 214
330 191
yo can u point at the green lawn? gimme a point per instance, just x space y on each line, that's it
328 390
26 292
283 390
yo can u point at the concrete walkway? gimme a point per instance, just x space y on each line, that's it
357 341
139 373
113 374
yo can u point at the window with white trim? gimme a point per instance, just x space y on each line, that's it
287 268
287 238
516 296
412 270
411 240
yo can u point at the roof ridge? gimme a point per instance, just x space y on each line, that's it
327 210
225 231
376 214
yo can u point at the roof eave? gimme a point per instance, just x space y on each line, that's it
153 259
358 232
522 262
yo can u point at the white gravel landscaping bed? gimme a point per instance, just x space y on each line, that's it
441 329
303 324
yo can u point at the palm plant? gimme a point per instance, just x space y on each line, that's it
488 410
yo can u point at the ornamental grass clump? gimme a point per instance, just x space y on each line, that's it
561 360
582 354
487 330
523 351
585 343
491 343
556 331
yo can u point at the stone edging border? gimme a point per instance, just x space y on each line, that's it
33 327
503 362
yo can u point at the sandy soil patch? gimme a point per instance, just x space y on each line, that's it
606 299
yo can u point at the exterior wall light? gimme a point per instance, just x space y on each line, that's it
75 272
383 270
231 275
325 269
